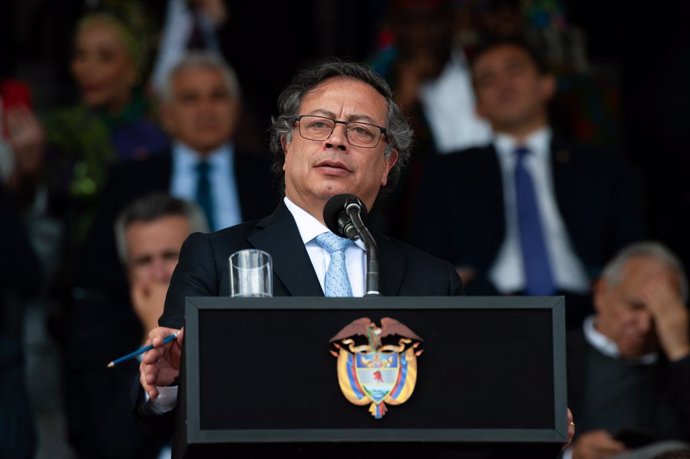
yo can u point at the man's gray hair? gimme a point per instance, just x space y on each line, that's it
613 271
201 60
153 207
398 136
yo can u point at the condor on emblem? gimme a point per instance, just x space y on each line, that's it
375 372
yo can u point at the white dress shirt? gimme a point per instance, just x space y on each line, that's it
355 259
507 272
183 184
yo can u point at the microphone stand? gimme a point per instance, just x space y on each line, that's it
353 211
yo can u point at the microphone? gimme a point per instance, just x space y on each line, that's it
344 215
337 219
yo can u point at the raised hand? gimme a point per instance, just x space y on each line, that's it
670 316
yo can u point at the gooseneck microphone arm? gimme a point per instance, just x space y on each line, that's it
353 210
344 215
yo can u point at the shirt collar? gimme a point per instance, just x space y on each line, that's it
607 346
537 142
307 225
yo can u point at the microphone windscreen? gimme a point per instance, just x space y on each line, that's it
335 206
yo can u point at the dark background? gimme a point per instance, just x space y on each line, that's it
641 50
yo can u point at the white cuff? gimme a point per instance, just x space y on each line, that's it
166 401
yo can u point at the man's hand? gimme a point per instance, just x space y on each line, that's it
467 274
670 316
160 366
571 429
597 444
148 299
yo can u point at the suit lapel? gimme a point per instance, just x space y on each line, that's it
495 182
279 236
565 181
493 187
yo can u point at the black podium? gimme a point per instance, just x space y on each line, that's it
258 379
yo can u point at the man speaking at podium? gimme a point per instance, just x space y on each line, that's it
338 131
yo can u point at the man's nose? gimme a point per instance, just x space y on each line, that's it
502 80
338 138
206 105
159 271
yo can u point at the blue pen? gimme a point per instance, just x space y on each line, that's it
140 351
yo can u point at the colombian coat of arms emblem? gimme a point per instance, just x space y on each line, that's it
376 365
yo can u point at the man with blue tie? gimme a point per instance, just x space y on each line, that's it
530 213
200 108
338 131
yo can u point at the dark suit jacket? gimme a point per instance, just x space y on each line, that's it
667 406
203 268
461 216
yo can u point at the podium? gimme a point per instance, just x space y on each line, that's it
258 379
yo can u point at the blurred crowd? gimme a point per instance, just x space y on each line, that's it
159 130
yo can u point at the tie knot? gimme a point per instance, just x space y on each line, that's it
332 243
203 167
521 152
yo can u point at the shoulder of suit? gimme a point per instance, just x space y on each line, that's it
419 256
153 162
586 150
236 232
231 231
440 163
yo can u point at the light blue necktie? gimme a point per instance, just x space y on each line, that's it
336 282
535 257
204 196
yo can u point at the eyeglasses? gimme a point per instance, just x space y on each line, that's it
358 134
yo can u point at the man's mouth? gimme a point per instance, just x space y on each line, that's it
332 166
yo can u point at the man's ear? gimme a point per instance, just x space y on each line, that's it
548 87
599 290
166 117
235 114
390 159
283 146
